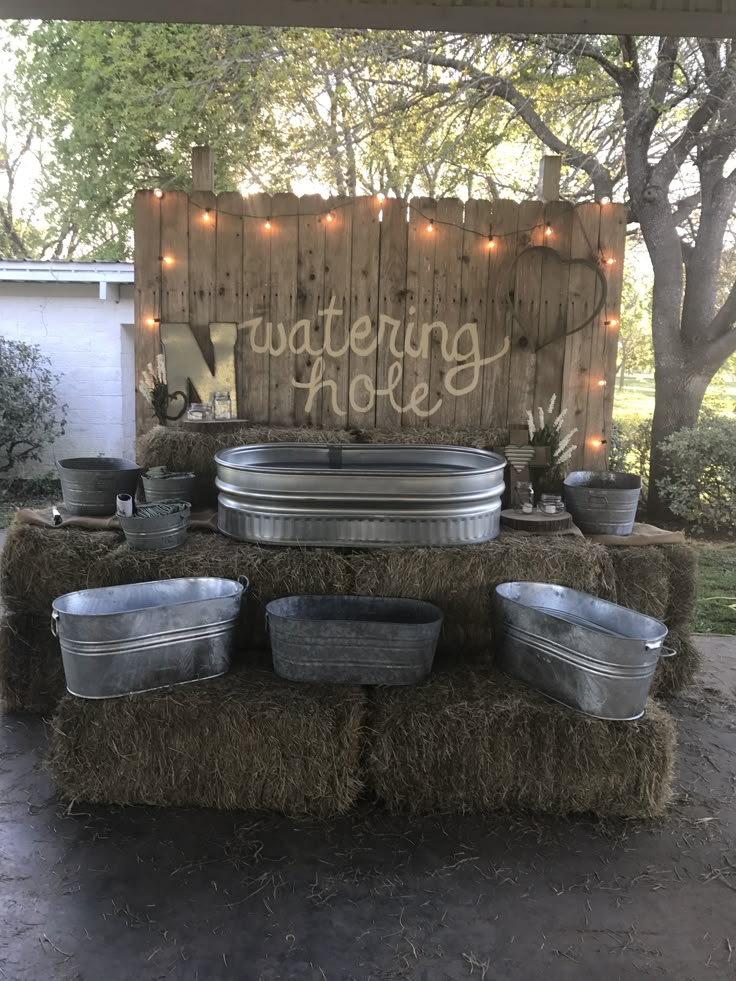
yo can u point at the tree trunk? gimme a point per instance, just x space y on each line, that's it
678 395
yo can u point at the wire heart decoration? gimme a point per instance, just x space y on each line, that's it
546 250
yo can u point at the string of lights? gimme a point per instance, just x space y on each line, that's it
271 221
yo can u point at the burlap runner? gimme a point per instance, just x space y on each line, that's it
642 535
205 520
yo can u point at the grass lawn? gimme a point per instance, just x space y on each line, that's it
716 610
636 398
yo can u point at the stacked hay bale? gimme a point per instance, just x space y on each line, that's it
39 564
42 563
660 581
466 740
476 741
248 740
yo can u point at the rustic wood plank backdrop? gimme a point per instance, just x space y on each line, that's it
354 312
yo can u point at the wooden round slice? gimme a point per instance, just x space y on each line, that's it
536 522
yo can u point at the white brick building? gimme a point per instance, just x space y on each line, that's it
81 315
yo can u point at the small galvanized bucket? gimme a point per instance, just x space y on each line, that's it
168 487
158 533
90 485
603 502
353 640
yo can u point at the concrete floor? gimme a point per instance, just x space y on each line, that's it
109 894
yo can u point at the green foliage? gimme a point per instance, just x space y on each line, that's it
629 446
30 415
700 481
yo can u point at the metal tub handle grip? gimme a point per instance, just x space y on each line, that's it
245 583
660 650
54 623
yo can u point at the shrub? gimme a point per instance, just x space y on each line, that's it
700 480
629 447
30 415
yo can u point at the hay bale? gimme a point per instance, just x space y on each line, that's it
476 741
674 674
40 564
248 740
187 450
480 438
660 581
461 580
642 579
31 670
683 578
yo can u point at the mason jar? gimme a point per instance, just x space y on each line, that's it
221 405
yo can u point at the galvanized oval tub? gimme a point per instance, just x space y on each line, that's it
353 640
169 487
119 640
90 484
591 655
603 502
360 496
158 532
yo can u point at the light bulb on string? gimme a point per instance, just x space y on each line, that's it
430 226
602 383
207 214
152 321
610 261
166 259
605 199
380 197
547 231
613 322
491 242
267 224
329 216
157 192
597 442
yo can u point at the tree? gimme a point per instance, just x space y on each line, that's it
30 416
118 106
662 131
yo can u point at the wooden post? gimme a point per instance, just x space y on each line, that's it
548 188
203 169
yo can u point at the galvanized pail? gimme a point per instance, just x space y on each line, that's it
353 640
118 640
90 485
171 487
603 502
592 655
158 533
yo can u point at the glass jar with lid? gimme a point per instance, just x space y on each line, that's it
221 405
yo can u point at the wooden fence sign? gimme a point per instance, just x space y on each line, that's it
371 312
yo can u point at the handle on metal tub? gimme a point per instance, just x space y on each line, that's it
244 582
659 650
54 623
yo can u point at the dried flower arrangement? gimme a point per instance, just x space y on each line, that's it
154 388
546 430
